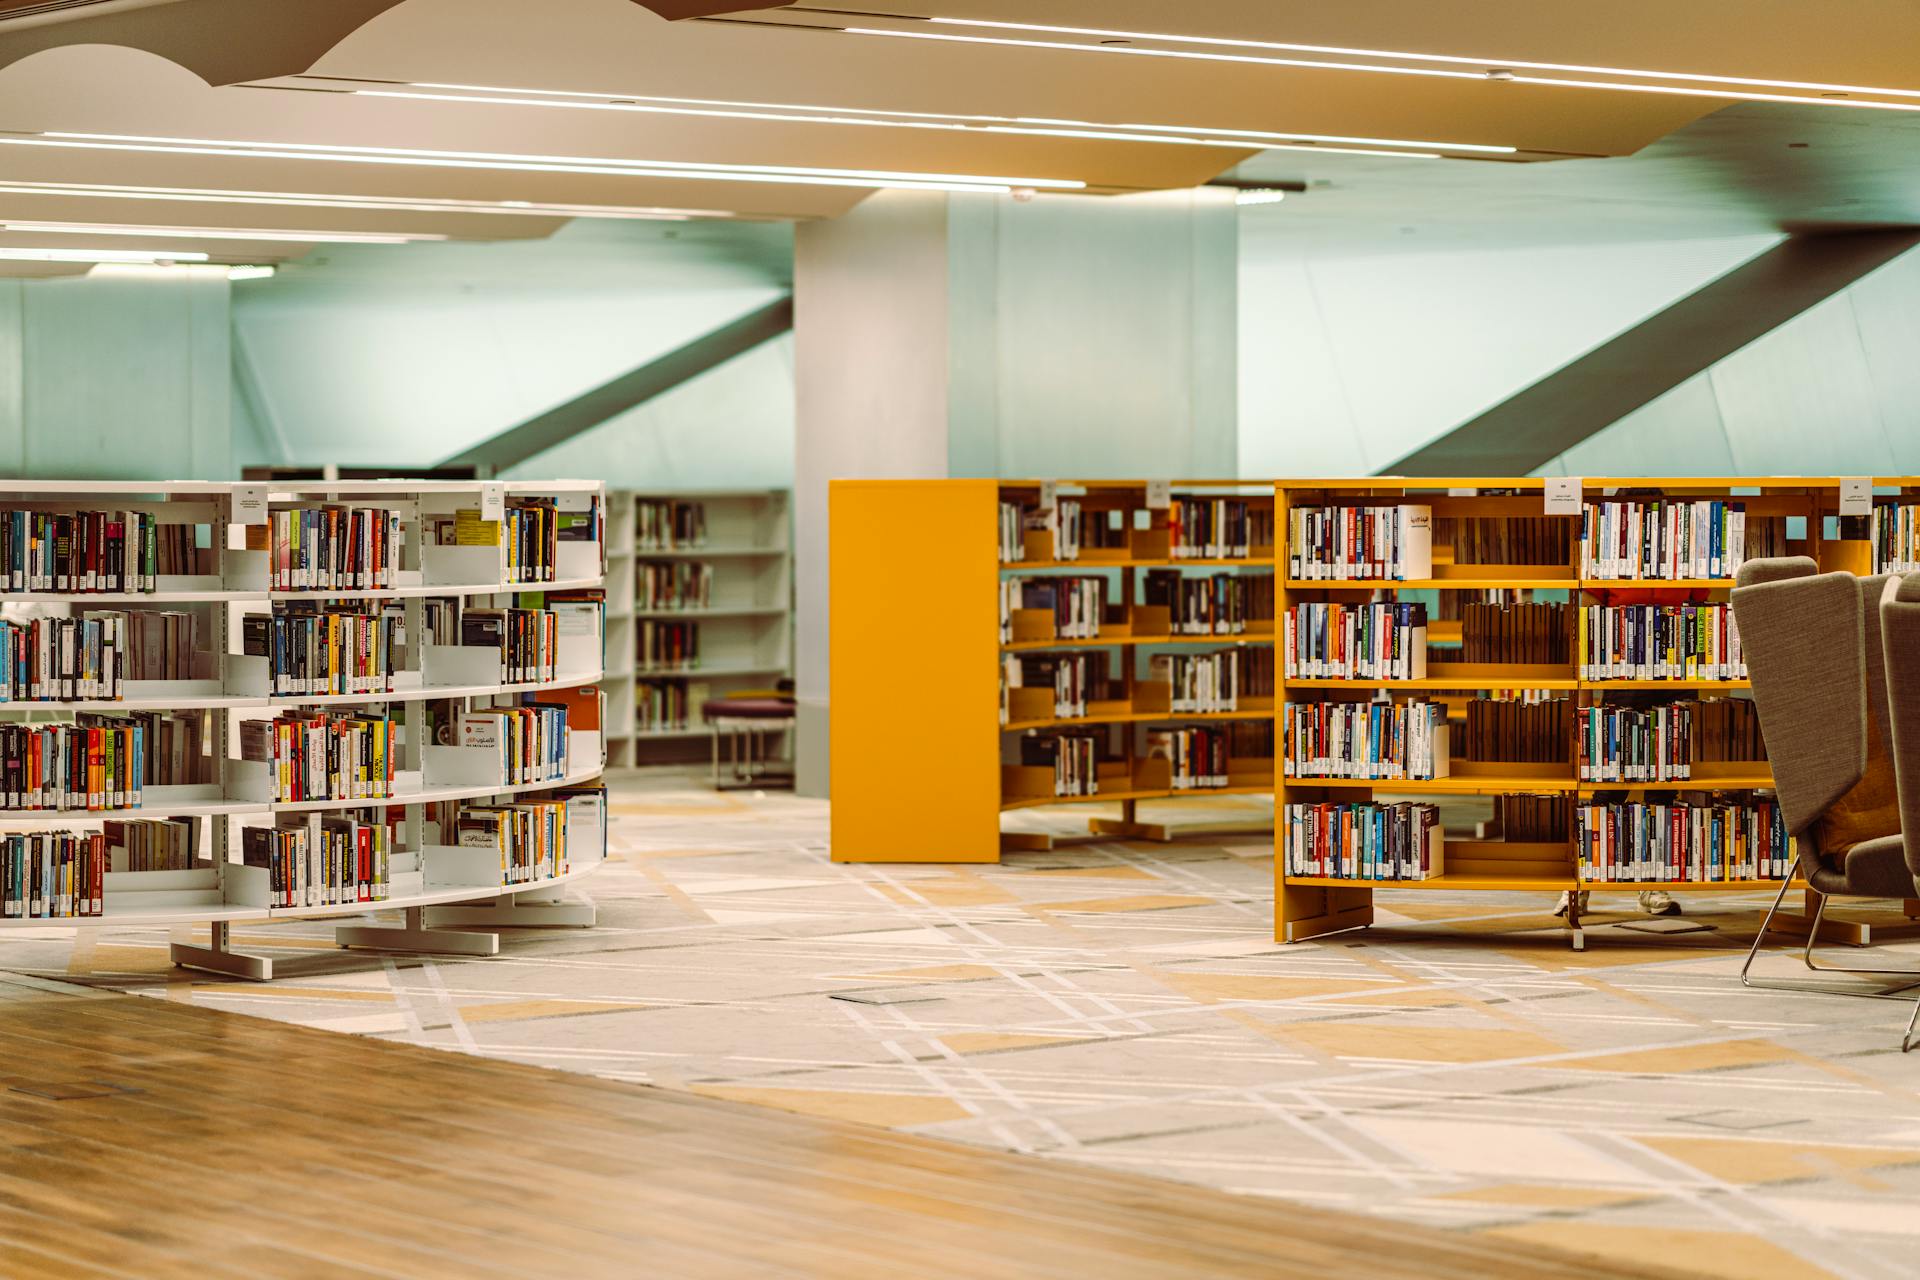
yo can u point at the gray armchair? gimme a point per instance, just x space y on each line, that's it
1813 647
1900 626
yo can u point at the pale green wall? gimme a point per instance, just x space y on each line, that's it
117 375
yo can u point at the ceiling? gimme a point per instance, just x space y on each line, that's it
125 126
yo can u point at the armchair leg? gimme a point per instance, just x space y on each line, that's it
1907 1042
1910 977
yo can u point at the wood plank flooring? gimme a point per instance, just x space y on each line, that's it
212 1145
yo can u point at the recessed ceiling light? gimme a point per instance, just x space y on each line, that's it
1260 195
100 255
605 165
237 274
1040 126
1734 92
219 233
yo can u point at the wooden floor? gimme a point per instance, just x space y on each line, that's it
145 1139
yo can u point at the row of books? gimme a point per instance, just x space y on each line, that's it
1380 641
1216 605
1692 842
1532 819
530 740
1211 683
532 534
83 552
62 659
1365 542
1074 758
1511 729
663 524
1374 740
96 765
1673 538
1515 632
1627 744
313 648
661 704
1364 841
1659 642
528 640
152 844
1217 528
332 547
1013 531
1069 675
52 875
672 584
1076 603
666 646
1530 540
1895 534
347 860
322 757
530 836
1198 756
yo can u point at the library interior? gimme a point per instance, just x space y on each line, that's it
936 639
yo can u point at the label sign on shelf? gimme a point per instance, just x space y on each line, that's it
1563 495
250 504
493 501
1856 495
1463 493
1049 492
1159 495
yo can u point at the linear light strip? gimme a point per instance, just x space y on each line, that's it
100 255
840 115
217 233
591 164
1729 94
1509 63
416 204
194 149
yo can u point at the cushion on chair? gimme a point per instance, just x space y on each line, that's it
1870 810
1877 869
749 709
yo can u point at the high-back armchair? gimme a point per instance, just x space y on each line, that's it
1900 627
1813 646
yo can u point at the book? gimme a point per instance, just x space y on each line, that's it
333 548
1218 604
1368 740
1528 729
91 766
1659 642
315 648
1364 841
52 875
1386 640
663 524
322 757
1357 541
1632 539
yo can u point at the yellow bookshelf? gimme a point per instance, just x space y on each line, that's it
924 766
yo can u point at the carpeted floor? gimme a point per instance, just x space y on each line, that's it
1125 1005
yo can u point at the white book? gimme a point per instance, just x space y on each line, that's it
1414 535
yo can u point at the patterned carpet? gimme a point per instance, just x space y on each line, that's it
1125 1005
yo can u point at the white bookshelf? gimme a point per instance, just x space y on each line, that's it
221 890
745 632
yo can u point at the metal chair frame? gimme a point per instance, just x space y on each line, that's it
1911 976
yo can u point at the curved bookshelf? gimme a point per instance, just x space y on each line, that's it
561 525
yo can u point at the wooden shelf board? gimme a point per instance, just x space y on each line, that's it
1460 786
1139 717
697 615
1683 886
1666 684
740 552
1218 641
1151 562
1431 584
1735 783
1546 884
702 673
1114 797
1442 682
1663 584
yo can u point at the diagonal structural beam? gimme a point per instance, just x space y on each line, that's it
628 391
1620 375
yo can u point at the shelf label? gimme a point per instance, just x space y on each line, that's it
493 501
1049 492
1563 495
1463 493
1856 495
250 504
1159 495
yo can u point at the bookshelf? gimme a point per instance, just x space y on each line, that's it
923 767
288 719
713 567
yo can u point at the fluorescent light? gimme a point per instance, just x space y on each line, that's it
398 204
1730 93
237 274
1170 135
100 255
218 233
614 166
1431 57
1260 195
